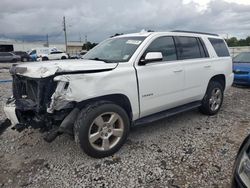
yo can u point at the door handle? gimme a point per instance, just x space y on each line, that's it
207 66
176 71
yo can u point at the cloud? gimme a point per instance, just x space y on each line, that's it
101 19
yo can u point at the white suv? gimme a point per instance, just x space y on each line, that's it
125 81
54 55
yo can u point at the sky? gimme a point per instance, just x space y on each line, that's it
99 19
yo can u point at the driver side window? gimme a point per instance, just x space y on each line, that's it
165 45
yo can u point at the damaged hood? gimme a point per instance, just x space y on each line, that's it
44 69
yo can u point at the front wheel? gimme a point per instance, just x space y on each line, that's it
101 129
213 99
25 59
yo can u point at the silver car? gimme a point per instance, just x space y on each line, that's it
9 57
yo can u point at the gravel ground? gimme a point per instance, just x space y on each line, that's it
187 150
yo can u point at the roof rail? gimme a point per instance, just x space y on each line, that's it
182 31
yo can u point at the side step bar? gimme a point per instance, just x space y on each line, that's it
167 113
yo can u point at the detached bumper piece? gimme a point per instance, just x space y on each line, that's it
65 127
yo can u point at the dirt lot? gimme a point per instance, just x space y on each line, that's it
187 150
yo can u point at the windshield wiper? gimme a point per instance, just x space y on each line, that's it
99 59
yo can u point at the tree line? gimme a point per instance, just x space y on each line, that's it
233 41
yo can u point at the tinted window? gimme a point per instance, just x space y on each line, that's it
189 48
166 46
219 47
19 53
33 52
203 49
5 54
56 52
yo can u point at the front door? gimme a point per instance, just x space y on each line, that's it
160 83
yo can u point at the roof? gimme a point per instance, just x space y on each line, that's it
175 33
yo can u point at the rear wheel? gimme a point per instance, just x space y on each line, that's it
213 99
63 57
14 60
101 129
45 58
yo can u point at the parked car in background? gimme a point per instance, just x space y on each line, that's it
241 170
9 57
24 55
39 52
54 55
241 68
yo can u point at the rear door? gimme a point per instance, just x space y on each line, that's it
161 82
52 56
55 55
195 60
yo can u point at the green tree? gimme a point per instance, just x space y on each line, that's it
233 41
87 46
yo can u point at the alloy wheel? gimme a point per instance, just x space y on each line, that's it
216 99
106 131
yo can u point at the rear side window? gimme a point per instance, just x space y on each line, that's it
219 47
5 54
57 52
189 48
166 46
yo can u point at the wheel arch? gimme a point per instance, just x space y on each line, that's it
119 99
221 78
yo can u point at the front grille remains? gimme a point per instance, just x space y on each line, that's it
33 91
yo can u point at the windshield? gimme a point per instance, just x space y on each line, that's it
115 49
243 57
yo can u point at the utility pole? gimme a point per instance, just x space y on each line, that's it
47 39
65 34
86 42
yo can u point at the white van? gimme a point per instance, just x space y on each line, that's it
38 52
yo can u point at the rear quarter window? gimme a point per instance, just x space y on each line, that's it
219 47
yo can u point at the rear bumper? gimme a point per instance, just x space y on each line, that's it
242 79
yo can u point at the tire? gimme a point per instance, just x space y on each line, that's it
14 61
243 149
109 137
213 98
63 57
25 59
45 58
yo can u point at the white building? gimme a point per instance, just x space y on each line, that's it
73 47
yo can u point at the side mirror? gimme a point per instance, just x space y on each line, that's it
151 57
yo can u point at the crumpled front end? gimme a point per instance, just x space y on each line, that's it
30 103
